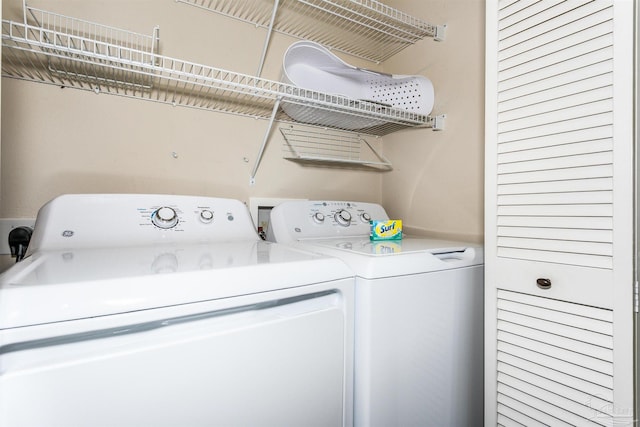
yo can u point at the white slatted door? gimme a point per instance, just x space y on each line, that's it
559 168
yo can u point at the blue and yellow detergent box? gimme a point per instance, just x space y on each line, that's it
386 230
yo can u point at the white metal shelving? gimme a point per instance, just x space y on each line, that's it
68 52
328 146
366 29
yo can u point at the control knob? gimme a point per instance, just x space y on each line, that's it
206 216
365 217
318 217
164 217
343 218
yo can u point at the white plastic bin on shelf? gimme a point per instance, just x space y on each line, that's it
309 65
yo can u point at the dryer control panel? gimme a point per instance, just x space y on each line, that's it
76 221
300 220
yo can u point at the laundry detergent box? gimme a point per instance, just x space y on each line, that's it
390 229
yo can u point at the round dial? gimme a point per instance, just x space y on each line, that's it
206 216
164 217
318 217
343 218
365 217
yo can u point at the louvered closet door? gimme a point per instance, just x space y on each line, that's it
559 149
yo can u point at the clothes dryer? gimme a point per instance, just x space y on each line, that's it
419 314
158 310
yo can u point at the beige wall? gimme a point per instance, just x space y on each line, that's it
68 141
436 185
58 141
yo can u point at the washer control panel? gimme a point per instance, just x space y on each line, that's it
107 220
175 216
298 220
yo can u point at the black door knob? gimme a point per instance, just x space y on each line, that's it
543 283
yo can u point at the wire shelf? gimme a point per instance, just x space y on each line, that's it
68 52
366 29
66 36
330 147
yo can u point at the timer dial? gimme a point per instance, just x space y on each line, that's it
318 217
206 216
164 217
343 218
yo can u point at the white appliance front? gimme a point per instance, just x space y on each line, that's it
190 330
419 314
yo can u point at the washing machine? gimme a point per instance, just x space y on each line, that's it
162 310
419 314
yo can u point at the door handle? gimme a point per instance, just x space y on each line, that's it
543 283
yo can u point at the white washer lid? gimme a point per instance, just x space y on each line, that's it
386 258
53 286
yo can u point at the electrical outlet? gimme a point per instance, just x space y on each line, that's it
8 224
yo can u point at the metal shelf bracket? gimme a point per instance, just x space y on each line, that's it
440 33
276 105
437 122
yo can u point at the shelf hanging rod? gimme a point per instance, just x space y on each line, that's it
24 13
276 105
267 39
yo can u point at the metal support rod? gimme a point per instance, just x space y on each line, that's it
268 38
276 105
155 44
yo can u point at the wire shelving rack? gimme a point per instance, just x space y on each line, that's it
68 52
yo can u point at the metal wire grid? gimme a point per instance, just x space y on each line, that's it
330 146
103 63
90 32
102 41
363 28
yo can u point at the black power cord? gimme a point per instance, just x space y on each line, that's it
19 239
